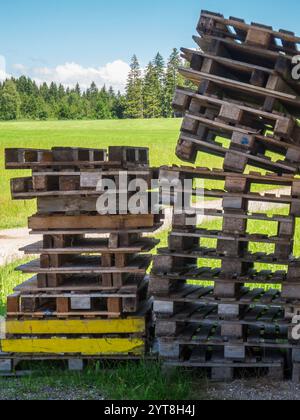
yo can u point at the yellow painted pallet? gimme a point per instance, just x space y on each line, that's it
130 340
72 327
80 346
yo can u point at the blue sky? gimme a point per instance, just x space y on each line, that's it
65 39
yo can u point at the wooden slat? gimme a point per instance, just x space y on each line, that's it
88 346
91 222
90 246
76 327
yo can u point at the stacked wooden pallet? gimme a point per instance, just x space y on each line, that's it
88 295
246 95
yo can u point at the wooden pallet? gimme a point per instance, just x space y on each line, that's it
237 191
77 245
75 283
181 350
87 265
73 327
90 223
192 335
81 339
78 346
109 270
240 71
74 183
247 215
81 203
192 272
260 36
72 304
258 197
218 369
235 238
226 286
229 308
228 48
285 128
258 324
244 148
60 231
268 99
65 157
173 173
213 254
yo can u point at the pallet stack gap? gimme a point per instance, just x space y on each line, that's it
87 296
227 286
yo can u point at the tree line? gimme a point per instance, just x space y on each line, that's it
148 94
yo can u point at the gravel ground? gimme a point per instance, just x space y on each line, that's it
17 392
255 390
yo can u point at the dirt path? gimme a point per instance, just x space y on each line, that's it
13 239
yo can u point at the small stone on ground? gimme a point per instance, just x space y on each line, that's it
254 390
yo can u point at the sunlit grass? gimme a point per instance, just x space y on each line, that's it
130 381
9 279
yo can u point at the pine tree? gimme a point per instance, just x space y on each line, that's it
77 90
151 93
103 110
119 105
172 80
159 65
92 97
159 69
44 92
42 111
61 93
74 106
9 101
134 91
53 92
29 107
64 110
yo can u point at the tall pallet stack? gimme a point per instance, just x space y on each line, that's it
88 296
245 107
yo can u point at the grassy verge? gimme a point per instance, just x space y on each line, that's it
130 381
9 279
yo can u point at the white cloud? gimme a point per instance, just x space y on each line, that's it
20 68
3 74
112 74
